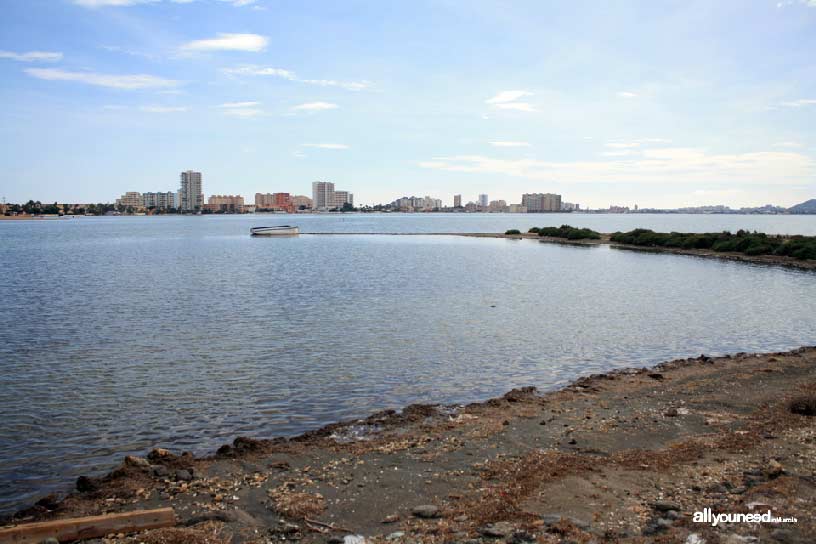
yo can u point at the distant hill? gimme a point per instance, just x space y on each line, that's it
808 206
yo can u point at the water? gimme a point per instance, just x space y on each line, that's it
122 334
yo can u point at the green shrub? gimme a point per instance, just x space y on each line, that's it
533 230
512 231
747 243
568 232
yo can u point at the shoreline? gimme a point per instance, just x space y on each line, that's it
768 260
518 462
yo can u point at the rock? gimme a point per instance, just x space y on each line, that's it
673 515
774 469
85 484
665 506
785 536
460 519
497 530
738 539
159 471
671 412
694 538
655 375
160 453
184 475
335 539
393 518
519 537
426 511
550 519
354 539
139 462
395 536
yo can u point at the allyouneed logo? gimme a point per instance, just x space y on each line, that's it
707 516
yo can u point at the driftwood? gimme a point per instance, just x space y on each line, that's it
66 530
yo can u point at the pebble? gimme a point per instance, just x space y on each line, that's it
426 511
665 506
393 518
159 471
133 461
395 536
672 412
497 530
184 475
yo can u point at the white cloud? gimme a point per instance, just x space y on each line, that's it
248 104
510 144
315 106
164 109
327 146
518 106
623 153
669 165
788 144
243 112
799 103
134 81
240 3
32 56
253 70
508 96
507 100
627 94
229 42
622 145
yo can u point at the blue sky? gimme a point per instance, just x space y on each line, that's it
659 103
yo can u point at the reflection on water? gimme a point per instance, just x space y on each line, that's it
121 334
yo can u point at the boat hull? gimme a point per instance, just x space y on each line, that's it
274 231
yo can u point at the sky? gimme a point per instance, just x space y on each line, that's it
655 103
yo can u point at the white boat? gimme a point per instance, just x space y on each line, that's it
282 230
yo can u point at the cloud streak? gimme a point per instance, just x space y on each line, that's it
228 42
669 165
113 81
509 144
327 146
254 70
508 100
315 106
32 56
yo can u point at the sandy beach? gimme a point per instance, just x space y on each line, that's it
626 456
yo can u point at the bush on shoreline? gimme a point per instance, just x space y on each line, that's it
568 232
747 243
512 231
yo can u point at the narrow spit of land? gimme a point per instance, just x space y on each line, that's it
605 240
626 456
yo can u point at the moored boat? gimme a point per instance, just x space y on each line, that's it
281 230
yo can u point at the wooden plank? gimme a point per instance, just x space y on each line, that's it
66 530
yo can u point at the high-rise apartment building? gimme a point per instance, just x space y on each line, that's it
457 201
483 202
541 202
190 195
323 195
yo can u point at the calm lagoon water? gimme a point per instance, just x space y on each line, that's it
122 334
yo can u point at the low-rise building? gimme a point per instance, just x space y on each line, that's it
131 199
517 208
301 202
225 204
160 201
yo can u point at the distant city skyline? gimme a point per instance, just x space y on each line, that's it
665 105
